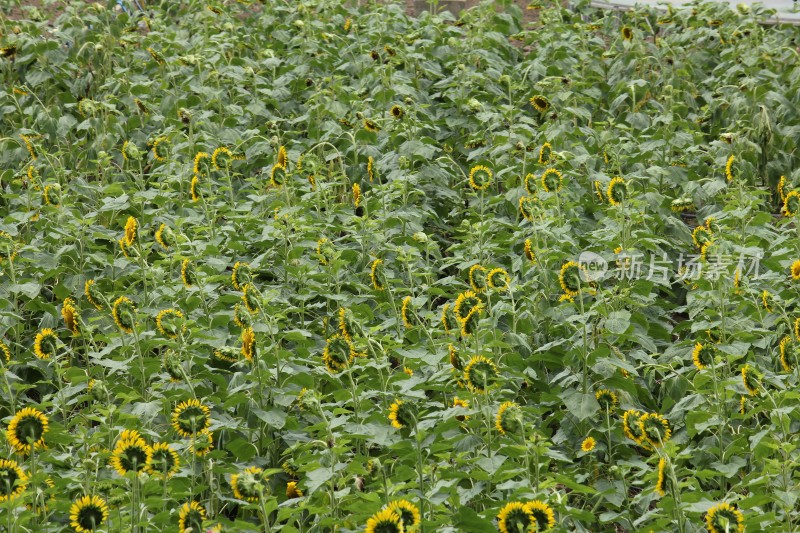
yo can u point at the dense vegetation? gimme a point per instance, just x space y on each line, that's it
304 266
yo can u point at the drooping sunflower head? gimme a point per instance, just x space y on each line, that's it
607 399
480 177
202 443
241 275
498 279
325 251
508 420
200 166
661 481
463 404
191 417
52 194
170 322
540 103
598 191
480 374
165 237
13 480
782 188
402 414
617 191
194 188
789 353
88 513
356 195
796 270
729 168
701 236
465 303
130 455
397 111
371 168
448 318
470 324
545 152
527 207
371 125
277 176
347 323
188 273
552 180
222 158
8 248
172 364
751 380
249 350
251 297
477 278
191 515
5 352
627 33
724 518
530 255
542 513
631 427
455 359
406 312
385 521
249 485
409 513
160 149
124 313
588 444
242 316
655 429
131 230
162 460
339 353
45 345
92 294
530 184
282 159
791 204
572 277
515 517
378 275
703 355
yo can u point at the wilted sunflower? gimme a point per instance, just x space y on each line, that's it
164 236
724 518
526 207
544 154
627 33
293 491
729 168
162 460
516 517
480 374
791 204
543 513
249 484
385 521
402 414
88 513
607 399
498 279
409 513
552 180
130 455
571 278
617 191
655 429
124 312
661 481
404 312
13 480
588 444
508 419
751 379
477 278
371 125
191 417
52 194
191 515
27 430
339 353
45 345
631 427
397 112
170 322
248 344
188 274
378 276
796 270
480 177
540 103
702 355
202 443
529 253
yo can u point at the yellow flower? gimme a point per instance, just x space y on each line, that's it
162 461
356 195
45 345
782 188
617 191
397 111
191 515
89 290
627 33
498 279
588 444
408 512
385 521
702 355
248 344
160 150
516 517
52 194
371 168
191 417
729 167
796 270
377 275
571 277
249 484
655 429
480 177
188 276
480 374
293 491
398 415
631 427
466 302
791 204
202 443
751 380
27 430
222 158
197 166
13 480
661 482
71 316
130 455
607 399
164 236
464 404
88 513
529 253
787 347
174 323
552 180
158 58
404 312
370 125
540 103
544 154
339 353
477 278
724 518
508 418
124 313
5 352
543 513
131 228
29 145
193 188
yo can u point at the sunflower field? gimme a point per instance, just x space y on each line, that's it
315 266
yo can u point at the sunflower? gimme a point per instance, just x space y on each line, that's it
402 414
617 191
29 145
248 344
191 417
627 33
5 352
160 149
588 444
463 404
347 323
162 460
71 316
193 188
480 177
530 255
123 246
598 191
130 455
289 466
723 518
607 399
448 319
498 279
661 482
241 275
477 278
339 353
465 303
13 480
508 419
371 125
170 322
530 184
782 188
123 313
742 405
480 374
52 194
378 276
751 380
202 443
791 204
570 278
404 312
131 230
455 360
470 324
526 207
88 513
796 270
222 158
702 355
385 521
45 345
241 316
543 513
356 195
251 298
293 491
655 429
729 168
515 517
164 236
191 515
408 512
701 236
8 248
371 168
544 154
198 167
540 103
249 484
552 180
631 427
188 274
787 348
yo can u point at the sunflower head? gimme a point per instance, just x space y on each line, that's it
701 236
339 353
516 517
572 277
751 380
378 275
160 149
598 191
165 237
617 191
131 230
477 278
527 207
324 251
545 153
509 419
293 491
542 513
385 521
191 417
242 316
8 248
661 481
588 444
791 204
88 513
498 279
631 427
655 429
202 444
789 353
470 323
408 512
782 188
724 518
222 158
45 345
463 404
52 194
13 480
251 298
480 177
371 125
191 515
130 455
540 103
703 355
5 352
249 485
448 318
480 374
405 312
465 303
397 112
552 180
249 350
607 399
188 273
162 460
277 176
796 270
194 188
729 175
402 414
530 255
124 313
627 33
170 322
